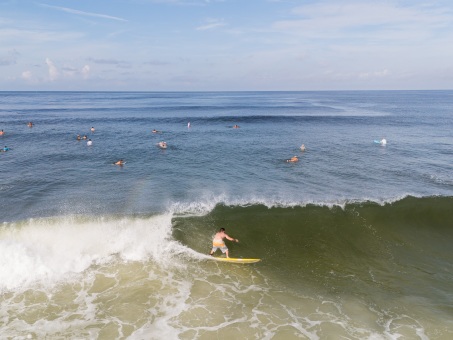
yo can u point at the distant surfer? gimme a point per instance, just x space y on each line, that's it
219 243
2 132
120 162
382 142
89 143
302 147
30 124
78 137
92 129
5 149
188 125
293 159
156 131
235 126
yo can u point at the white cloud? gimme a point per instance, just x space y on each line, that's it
374 74
333 20
26 75
292 44
86 71
108 61
211 24
68 71
77 12
53 71
9 36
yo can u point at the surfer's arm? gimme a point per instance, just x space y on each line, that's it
231 239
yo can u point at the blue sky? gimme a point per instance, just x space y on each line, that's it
225 45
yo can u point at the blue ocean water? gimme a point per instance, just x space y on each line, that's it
356 234
48 172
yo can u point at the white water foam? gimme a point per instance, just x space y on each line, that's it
49 250
206 205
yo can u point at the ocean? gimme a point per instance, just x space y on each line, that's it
355 239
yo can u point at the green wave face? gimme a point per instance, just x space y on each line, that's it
356 249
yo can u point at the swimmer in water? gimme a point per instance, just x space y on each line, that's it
235 126
293 159
30 124
2 133
120 162
78 137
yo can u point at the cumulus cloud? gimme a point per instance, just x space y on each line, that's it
64 73
53 71
26 75
86 71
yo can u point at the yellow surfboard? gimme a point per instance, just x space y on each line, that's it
235 260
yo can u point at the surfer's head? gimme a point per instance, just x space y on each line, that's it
222 229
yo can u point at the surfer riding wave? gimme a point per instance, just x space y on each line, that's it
219 243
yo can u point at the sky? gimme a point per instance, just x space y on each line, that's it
225 45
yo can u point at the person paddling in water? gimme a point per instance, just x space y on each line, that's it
219 243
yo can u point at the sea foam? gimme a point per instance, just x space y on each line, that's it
49 250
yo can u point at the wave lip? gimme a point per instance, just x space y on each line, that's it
208 204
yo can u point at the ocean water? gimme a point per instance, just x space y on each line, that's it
355 239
